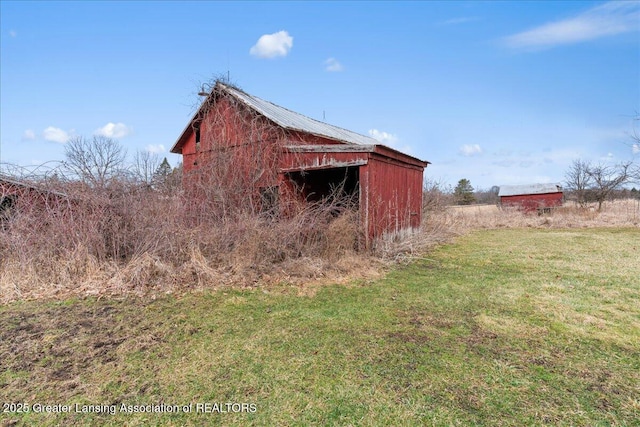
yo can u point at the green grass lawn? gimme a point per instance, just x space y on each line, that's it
504 327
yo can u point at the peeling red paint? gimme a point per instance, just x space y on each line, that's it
389 183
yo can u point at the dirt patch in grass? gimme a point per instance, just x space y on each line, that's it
58 346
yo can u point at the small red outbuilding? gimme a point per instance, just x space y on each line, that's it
18 194
280 154
531 197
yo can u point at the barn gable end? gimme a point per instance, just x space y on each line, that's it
273 151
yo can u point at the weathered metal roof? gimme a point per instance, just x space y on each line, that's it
295 121
334 148
17 182
518 190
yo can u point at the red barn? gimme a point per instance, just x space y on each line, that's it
16 194
267 153
532 197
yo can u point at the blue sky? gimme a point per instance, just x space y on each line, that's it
495 92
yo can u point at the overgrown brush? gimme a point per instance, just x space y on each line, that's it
131 238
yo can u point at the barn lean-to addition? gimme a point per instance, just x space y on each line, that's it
17 194
278 155
532 197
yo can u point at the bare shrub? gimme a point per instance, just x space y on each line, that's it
435 196
438 226
128 237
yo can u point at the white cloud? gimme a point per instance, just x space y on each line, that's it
470 150
272 45
55 135
384 137
332 64
13 33
28 135
113 130
390 140
608 19
635 148
159 148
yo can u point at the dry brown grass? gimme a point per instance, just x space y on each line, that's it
437 227
619 213
140 245
136 242
80 274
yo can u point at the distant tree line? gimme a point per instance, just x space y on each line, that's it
585 183
437 195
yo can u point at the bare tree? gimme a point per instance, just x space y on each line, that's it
607 178
635 134
578 180
97 161
145 165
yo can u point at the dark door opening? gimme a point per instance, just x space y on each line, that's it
270 201
6 205
339 186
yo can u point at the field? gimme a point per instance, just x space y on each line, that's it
621 213
523 326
